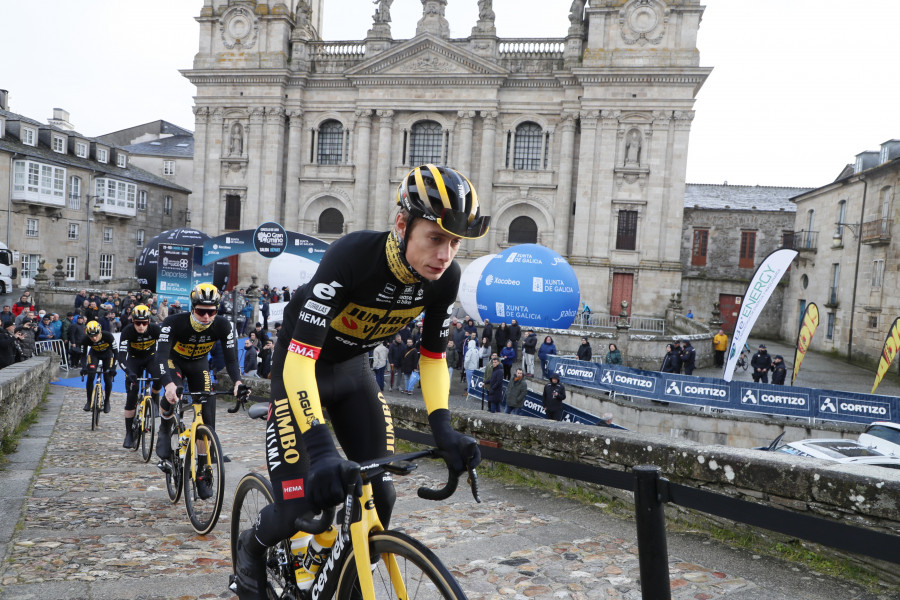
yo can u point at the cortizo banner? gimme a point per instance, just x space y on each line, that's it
769 399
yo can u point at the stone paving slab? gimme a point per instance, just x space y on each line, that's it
97 524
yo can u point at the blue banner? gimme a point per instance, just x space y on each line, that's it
534 405
269 240
173 272
764 398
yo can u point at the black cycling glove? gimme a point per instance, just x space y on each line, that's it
327 470
460 451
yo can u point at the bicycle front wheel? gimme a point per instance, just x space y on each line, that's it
173 477
254 492
419 574
96 406
204 480
147 429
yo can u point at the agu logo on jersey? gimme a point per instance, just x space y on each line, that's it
852 407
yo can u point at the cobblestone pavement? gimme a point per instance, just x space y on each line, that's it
97 524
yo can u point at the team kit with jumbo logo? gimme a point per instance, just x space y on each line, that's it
361 294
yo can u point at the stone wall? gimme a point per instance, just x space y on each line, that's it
21 389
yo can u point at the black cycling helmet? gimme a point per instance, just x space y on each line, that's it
205 294
445 196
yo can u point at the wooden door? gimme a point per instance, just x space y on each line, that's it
623 285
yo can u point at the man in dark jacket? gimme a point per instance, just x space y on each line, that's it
676 348
495 386
779 370
515 334
529 347
9 351
688 357
488 331
516 390
584 350
762 364
395 355
7 316
408 364
554 394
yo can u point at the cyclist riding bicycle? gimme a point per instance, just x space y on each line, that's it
137 347
368 286
98 345
185 341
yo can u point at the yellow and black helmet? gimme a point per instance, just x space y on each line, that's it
205 294
140 313
92 328
445 196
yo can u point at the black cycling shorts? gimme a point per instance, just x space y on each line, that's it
138 366
194 375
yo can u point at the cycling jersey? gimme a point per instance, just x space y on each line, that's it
180 340
363 293
138 345
104 348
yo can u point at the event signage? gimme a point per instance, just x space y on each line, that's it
268 240
746 396
174 269
808 325
763 283
888 352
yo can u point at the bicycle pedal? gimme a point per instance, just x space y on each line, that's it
165 466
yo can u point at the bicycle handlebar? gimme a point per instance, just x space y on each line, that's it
241 399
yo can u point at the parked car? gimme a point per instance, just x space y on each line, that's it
835 450
883 436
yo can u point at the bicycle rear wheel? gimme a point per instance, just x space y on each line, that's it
253 493
173 477
147 429
204 475
419 575
96 406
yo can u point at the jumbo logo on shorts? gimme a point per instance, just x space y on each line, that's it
304 350
292 489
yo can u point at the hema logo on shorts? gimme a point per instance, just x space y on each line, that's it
292 489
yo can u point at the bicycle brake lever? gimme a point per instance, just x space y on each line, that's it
472 480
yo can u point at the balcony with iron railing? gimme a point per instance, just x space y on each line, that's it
804 241
832 301
876 232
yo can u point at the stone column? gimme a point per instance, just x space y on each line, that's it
485 186
380 219
564 185
587 158
362 198
292 174
272 199
466 124
255 148
213 203
197 203
601 236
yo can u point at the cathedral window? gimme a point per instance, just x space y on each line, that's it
529 152
523 230
426 144
330 143
331 221
626 232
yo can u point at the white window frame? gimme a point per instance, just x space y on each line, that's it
878 272
142 200
59 144
2 127
102 155
71 268
167 206
41 181
32 228
29 136
74 192
81 149
140 238
74 231
107 235
121 161
113 192
30 264
106 266
168 167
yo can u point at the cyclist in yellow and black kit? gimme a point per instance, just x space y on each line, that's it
368 286
137 349
182 352
98 345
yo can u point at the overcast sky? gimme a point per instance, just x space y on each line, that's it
799 86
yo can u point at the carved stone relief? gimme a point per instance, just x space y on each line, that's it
239 28
643 22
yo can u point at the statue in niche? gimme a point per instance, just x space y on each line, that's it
485 11
633 148
576 13
383 12
236 146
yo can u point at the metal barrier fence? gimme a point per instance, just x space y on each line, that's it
635 323
652 492
57 346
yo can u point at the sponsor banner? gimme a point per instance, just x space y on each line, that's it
891 344
808 325
174 269
687 389
775 399
855 408
276 312
578 371
269 240
763 283
631 381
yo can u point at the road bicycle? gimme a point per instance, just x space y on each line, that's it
742 362
366 562
143 428
189 465
97 393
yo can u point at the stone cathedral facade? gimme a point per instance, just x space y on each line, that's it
577 143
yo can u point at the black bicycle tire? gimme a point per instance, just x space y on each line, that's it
173 477
204 525
96 399
148 430
412 552
276 573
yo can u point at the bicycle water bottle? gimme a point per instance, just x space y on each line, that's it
318 550
299 543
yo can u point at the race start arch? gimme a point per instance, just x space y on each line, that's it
270 240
